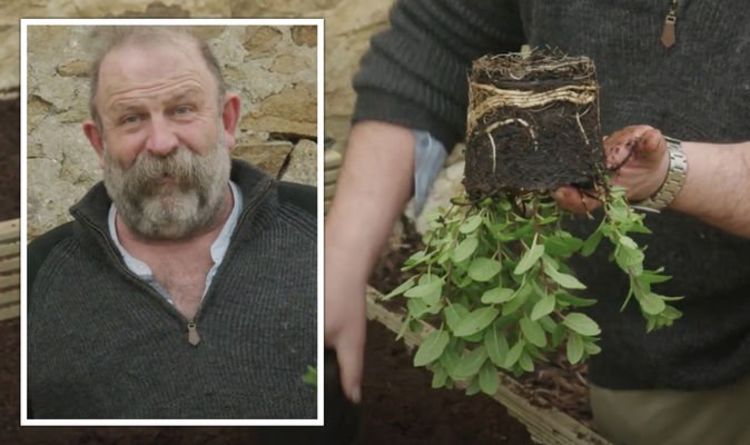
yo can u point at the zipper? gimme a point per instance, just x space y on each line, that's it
669 33
193 336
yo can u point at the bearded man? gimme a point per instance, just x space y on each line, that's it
185 287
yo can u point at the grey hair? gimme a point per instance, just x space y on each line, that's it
119 36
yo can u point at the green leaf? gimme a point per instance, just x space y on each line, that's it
591 348
558 335
582 324
406 285
653 277
543 307
473 387
574 349
451 357
425 290
628 258
518 299
533 332
591 243
529 259
514 354
465 248
416 258
311 376
526 363
474 338
431 348
562 245
497 295
496 345
429 292
563 279
627 242
483 269
488 380
570 299
471 224
651 303
417 308
439 377
454 313
548 324
476 321
469 365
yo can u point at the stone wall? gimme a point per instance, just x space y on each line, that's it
272 68
349 24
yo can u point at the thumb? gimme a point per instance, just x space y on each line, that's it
350 354
651 144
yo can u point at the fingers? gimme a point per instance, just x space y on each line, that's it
350 353
651 144
575 200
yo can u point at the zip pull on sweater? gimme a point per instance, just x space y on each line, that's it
668 34
193 337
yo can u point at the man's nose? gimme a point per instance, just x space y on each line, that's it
162 139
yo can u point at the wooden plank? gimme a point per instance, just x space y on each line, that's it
10 297
6 313
9 230
10 264
7 249
7 281
546 425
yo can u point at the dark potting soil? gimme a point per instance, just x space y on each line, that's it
521 140
9 159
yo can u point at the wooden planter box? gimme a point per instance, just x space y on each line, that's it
547 426
10 275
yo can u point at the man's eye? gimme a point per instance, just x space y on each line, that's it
183 109
130 119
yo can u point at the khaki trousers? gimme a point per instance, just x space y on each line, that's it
665 417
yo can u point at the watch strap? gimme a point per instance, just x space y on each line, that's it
674 181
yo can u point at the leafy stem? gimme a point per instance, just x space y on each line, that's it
494 275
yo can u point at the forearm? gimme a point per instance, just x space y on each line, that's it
717 187
373 188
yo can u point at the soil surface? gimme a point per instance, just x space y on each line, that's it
10 129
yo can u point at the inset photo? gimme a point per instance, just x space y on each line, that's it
171 226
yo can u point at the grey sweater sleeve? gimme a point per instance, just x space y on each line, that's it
415 73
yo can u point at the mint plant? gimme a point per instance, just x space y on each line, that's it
493 281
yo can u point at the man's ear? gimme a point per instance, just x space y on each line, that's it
91 130
230 117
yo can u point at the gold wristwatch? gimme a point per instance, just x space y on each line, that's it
674 181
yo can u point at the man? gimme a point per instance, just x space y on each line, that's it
186 285
685 77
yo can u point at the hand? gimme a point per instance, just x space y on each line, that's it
366 205
345 316
637 156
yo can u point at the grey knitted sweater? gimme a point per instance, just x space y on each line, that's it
415 75
105 344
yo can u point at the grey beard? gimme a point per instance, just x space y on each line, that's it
190 203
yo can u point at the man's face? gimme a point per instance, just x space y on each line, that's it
166 163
